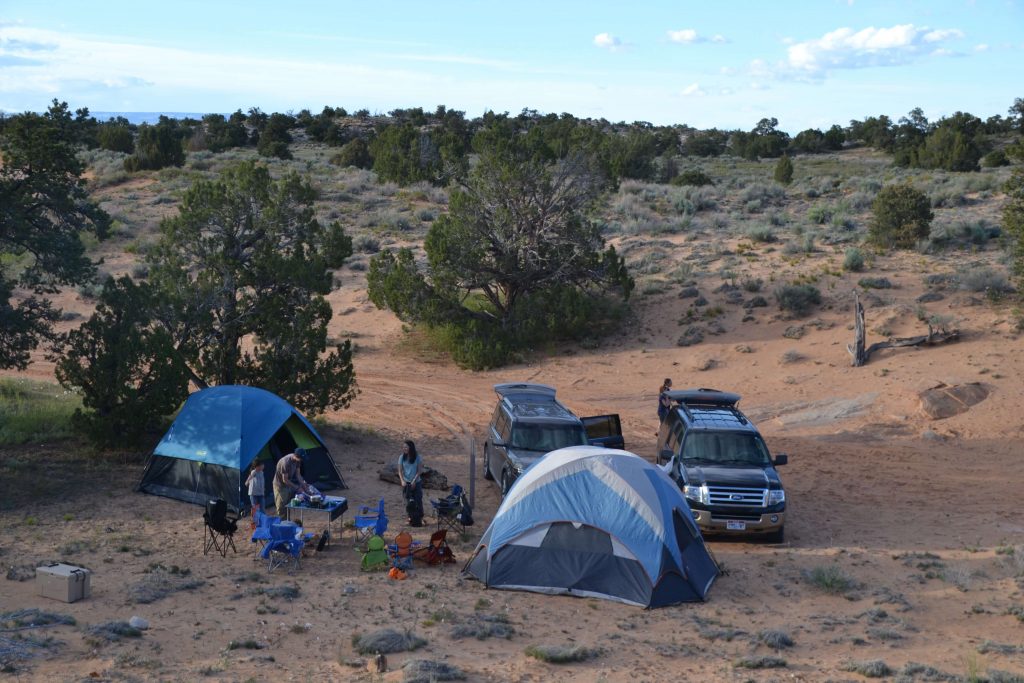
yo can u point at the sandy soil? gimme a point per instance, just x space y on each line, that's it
922 516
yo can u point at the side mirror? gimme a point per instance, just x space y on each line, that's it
780 459
665 455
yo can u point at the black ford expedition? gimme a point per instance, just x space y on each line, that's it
722 464
528 423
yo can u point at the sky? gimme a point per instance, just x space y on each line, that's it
724 64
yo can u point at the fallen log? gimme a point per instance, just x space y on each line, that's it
432 479
860 354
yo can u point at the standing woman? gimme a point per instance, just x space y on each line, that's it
664 402
410 475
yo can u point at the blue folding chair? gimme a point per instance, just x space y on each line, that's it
370 522
261 535
283 546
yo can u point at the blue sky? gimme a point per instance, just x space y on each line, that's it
724 64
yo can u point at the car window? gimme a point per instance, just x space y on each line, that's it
504 424
545 438
725 448
677 436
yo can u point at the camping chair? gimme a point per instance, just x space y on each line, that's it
369 522
401 552
437 551
261 535
283 547
448 511
219 527
375 557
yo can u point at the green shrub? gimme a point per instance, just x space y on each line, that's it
995 159
901 215
853 260
798 299
784 170
693 177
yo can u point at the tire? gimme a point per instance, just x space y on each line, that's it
488 475
777 536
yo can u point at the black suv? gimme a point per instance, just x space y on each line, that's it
722 464
528 423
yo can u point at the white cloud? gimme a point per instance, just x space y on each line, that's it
607 41
726 70
693 90
688 36
981 47
846 48
941 35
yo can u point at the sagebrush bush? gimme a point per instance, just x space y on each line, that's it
761 233
798 299
984 279
853 260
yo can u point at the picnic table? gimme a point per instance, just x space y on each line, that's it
326 512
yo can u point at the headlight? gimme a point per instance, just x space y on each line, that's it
698 494
776 496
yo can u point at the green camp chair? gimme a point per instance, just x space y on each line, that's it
375 557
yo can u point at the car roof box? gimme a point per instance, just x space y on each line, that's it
704 397
525 390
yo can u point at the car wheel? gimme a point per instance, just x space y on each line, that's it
777 536
488 475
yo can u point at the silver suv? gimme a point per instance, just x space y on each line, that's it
529 422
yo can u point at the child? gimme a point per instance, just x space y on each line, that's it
256 486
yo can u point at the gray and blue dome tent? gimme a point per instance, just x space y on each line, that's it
219 433
596 522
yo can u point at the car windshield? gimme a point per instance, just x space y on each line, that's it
726 448
545 438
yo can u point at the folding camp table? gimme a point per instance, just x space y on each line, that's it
331 509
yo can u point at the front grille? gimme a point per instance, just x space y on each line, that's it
740 516
736 496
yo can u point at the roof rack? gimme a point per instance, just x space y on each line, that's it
703 396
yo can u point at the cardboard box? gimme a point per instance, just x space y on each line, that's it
64 582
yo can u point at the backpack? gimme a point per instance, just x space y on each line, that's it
466 516
414 510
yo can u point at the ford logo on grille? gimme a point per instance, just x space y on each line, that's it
736 496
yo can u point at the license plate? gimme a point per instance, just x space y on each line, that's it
733 525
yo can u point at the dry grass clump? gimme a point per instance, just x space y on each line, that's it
110 632
562 654
776 640
764 662
792 356
830 579
427 671
484 626
874 668
386 641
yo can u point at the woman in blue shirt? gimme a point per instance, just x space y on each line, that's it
410 475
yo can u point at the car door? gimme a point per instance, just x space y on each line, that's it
604 430
499 444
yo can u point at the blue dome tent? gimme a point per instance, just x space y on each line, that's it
596 522
218 434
